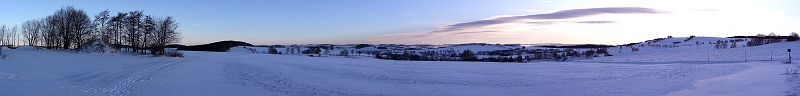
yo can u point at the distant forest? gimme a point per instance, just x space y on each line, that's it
70 28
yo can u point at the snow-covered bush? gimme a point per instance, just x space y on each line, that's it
98 46
343 53
634 49
272 50
174 54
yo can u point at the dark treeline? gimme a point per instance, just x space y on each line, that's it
761 39
70 28
511 55
788 38
220 46
579 46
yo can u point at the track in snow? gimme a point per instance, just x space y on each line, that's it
119 80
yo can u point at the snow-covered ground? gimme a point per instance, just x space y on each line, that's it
764 79
239 73
704 52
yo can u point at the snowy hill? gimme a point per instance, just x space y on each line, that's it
682 40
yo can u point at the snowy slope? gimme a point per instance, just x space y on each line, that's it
678 71
705 52
211 73
244 49
48 72
693 41
761 80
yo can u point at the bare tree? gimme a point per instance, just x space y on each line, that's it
2 35
82 26
166 33
102 27
117 25
58 21
50 32
133 24
47 33
13 36
73 26
148 26
31 30
2 32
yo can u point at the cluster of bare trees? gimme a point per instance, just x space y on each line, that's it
761 39
8 35
70 28
720 44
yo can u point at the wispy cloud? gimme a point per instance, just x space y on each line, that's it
595 22
537 23
501 28
473 32
564 14
198 24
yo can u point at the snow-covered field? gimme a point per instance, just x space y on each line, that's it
705 52
55 72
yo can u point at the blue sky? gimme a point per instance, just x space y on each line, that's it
436 21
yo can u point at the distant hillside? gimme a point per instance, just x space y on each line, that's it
221 46
578 46
174 46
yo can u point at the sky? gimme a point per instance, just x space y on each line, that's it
268 22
